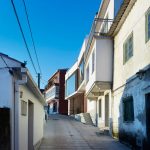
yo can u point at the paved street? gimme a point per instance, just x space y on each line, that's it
64 133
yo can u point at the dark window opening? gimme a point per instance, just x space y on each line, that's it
128 109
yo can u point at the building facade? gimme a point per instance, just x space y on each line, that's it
116 84
131 82
23 103
99 66
75 85
55 93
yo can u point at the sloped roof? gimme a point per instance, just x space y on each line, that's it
30 82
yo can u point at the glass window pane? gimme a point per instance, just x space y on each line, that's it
128 49
71 85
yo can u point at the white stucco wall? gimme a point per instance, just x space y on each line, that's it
7 97
92 75
23 120
82 50
134 23
91 108
136 88
6 89
103 49
104 60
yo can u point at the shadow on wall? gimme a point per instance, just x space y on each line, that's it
134 113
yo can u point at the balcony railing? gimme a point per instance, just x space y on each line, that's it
98 32
52 93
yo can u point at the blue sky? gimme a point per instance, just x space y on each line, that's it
59 28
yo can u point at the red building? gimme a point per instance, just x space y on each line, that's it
55 93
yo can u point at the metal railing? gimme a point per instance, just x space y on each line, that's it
97 33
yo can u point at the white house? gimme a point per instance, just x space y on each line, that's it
131 86
99 66
20 94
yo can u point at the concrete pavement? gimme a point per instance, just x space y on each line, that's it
65 133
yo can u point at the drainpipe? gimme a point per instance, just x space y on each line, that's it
17 83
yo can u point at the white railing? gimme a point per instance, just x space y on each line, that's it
53 92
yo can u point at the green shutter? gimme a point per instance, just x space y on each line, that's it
147 36
128 48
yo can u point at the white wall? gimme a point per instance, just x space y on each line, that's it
91 108
134 23
23 120
7 97
82 50
104 60
6 89
92 76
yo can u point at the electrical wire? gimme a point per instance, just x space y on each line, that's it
23 36
27 16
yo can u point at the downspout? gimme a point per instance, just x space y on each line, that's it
16 106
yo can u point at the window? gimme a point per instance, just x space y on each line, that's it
81 72
87 74
23 108
147 25
93 61
128 109
100 108
128 49
71 84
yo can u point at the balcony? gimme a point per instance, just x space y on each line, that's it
52 93
100 28
99 73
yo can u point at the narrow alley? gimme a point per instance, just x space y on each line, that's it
64 133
